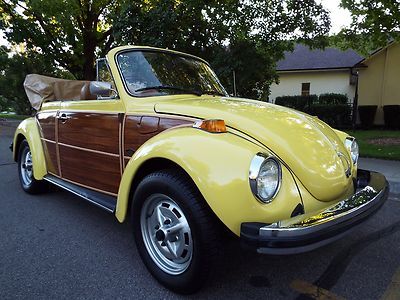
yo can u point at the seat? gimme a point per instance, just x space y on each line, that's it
85 92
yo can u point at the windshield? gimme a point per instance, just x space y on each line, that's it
158 73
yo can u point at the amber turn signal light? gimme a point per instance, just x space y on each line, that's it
213 126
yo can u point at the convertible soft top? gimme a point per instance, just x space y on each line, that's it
40 89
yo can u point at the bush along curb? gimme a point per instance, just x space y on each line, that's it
330 108
392 116
367 115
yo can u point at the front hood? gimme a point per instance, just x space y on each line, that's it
306 145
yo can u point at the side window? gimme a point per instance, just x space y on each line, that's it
305 89
103 73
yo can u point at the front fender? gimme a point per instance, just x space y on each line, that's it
29 130
219 166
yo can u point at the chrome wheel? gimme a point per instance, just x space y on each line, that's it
166 234
26 167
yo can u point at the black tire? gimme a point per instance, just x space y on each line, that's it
204 231
25 172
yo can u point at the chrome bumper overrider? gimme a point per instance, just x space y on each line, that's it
286 237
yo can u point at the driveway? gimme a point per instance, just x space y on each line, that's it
58 246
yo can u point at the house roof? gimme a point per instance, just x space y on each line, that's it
302 58
373 53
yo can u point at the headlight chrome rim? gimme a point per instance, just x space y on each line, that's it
255 166
351 143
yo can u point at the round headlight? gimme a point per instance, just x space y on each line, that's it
352 145
265 177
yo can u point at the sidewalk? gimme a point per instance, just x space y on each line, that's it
389 168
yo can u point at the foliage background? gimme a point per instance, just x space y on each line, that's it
247 37
64 37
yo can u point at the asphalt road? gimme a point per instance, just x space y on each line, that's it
57 246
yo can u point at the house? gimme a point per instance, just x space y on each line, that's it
379 79
305 72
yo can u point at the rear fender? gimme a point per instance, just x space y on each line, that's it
29 130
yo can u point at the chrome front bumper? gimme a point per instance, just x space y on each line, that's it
285 237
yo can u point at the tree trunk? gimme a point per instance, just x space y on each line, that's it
89 47
89 72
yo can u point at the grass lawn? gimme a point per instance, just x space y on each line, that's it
11 116
378 143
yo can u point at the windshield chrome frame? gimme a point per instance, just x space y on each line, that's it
161 51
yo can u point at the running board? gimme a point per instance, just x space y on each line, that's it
99 199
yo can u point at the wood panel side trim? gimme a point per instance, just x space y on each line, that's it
57 146
82 185
139 129
123 144
89 187
102 112
48 141
55 175
121 119
91 169
88 150
50 155
46 121
94 131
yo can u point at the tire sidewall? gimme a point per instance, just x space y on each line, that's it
194 276
24 147
35 186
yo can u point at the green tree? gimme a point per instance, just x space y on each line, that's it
234 35
12 75
247 37
70 32
374 24
254 70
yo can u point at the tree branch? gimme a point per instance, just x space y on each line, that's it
105 34
103 8
107 45
79 17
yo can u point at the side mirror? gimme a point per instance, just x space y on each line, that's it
102 89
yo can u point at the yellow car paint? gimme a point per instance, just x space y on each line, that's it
219 166
305 146
103 106
28 129
219 163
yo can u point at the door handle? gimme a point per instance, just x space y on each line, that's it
63 118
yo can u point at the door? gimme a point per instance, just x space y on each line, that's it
89 139
46 119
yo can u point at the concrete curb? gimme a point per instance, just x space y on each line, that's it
9 123
394 187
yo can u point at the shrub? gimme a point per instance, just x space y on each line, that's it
330 108
392 116
332 98
297 102
336 115
367 115
3 104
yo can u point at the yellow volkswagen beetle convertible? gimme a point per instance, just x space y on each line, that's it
157 140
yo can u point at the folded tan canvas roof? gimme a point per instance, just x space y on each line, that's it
40 89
